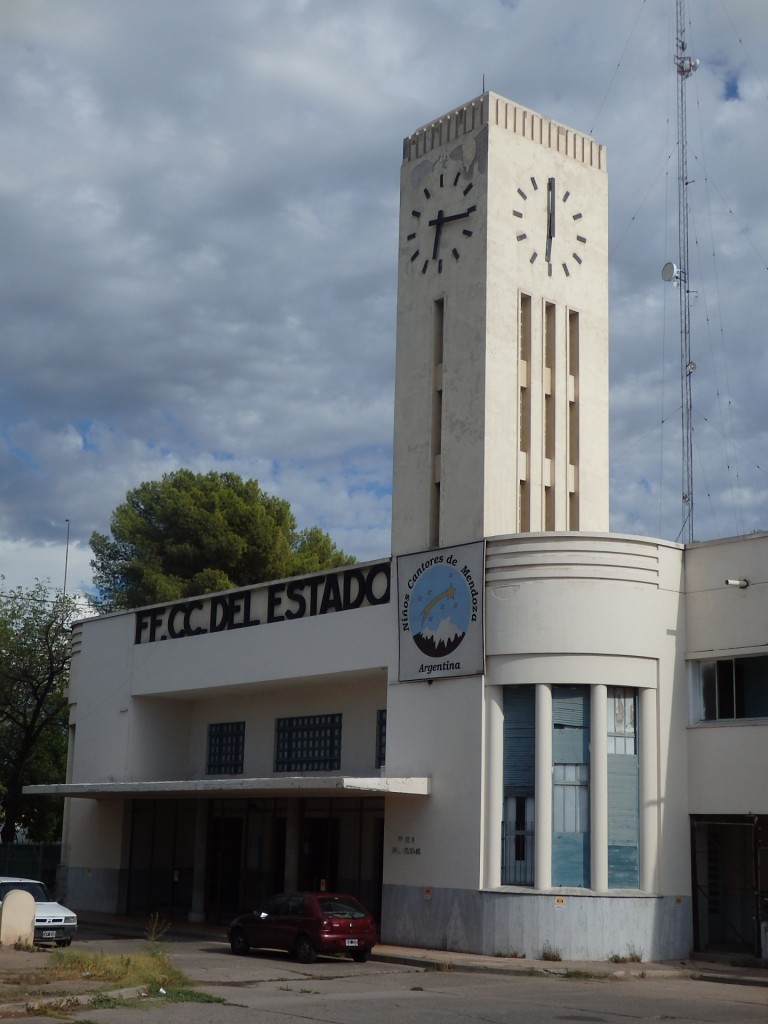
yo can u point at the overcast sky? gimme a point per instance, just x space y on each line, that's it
198 245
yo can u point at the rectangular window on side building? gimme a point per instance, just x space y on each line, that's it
733 688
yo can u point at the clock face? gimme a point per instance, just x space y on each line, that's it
549 222
442 221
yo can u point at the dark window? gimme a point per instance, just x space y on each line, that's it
517 827
734 688
311 743
381 738
226 746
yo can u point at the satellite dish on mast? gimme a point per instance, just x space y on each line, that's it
670 272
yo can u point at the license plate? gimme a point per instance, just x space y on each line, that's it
351 942
50 934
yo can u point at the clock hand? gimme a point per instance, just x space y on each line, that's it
438 226
550 217
459 216
440 219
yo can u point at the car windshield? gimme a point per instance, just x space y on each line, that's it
36 889
335 906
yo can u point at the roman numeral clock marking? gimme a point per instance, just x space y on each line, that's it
550 227
440 226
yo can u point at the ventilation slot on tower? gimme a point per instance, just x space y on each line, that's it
437 420
524 510
573 420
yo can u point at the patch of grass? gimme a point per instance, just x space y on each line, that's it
511 954
150 973
417 988
150 970
439 965
550 952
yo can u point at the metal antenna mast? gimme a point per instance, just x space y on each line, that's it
685 67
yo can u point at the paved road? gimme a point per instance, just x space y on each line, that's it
275 989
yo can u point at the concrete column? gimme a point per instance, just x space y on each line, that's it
199 862
649 791
598 787
292 840
543 799
494 786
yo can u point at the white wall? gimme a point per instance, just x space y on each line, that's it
357 701
727 768
728 761
133 705
722 619
436 730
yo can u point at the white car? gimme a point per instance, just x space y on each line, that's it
54 924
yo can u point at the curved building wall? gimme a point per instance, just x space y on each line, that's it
586 612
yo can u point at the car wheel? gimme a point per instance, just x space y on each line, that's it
360 956
65 942
305 951
238 942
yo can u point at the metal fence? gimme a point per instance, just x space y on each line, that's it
31 860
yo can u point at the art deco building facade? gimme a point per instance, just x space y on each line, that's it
522 729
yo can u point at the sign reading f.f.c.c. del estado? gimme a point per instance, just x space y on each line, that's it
440 612
339 590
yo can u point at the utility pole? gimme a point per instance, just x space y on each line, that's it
685 68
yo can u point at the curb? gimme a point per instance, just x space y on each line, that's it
438 960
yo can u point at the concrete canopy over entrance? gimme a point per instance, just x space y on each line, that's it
309 786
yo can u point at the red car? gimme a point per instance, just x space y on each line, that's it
307 923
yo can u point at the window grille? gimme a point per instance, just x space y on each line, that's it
309 743
226 748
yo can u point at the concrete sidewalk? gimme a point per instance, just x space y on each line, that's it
732 970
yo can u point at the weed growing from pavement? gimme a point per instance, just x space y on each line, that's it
550 952
156 928
632 956
58 1008
25 947
105 1001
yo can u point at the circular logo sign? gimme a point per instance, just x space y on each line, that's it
439 610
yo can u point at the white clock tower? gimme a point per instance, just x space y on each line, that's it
501 398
